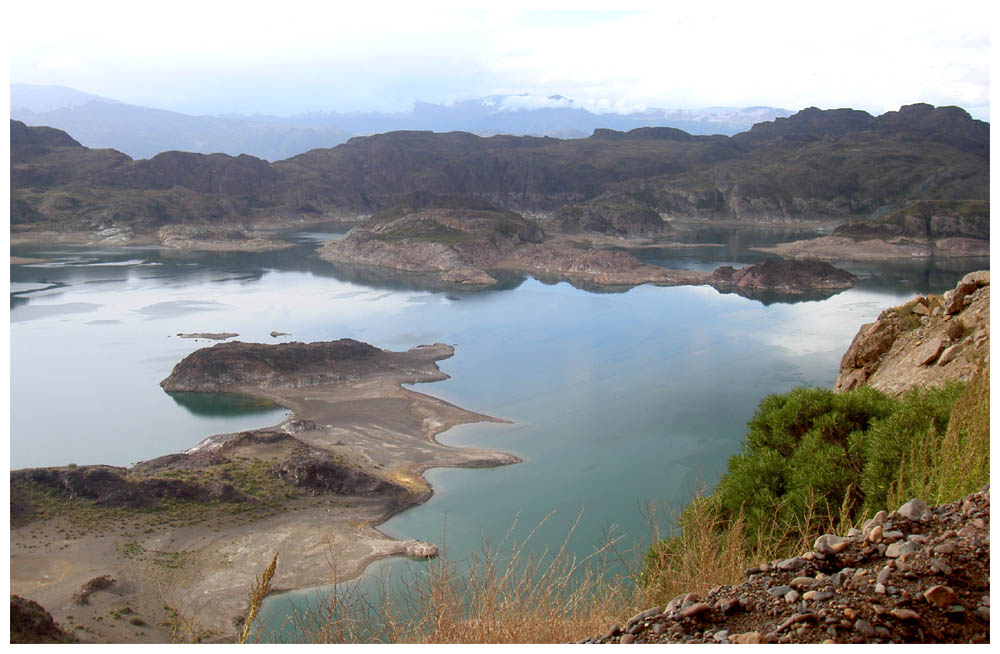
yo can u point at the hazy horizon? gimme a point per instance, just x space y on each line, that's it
227 58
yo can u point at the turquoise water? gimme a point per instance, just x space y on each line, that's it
617 400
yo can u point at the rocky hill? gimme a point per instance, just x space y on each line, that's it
826 165
926 342
916 575
467 243
920 229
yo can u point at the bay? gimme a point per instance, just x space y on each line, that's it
619 401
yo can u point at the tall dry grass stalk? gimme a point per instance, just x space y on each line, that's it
258 592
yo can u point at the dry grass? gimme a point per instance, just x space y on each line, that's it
940 469
505 595
258 592
711 551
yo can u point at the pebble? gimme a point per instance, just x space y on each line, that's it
727 605
905 614
831 544
864 628
940 596
747 638
875 535
800 582
947 547
642 615
779 591
627 639
941 566
792 564
915 510
817 595
659 628
899 548
695 610
792 596
721 636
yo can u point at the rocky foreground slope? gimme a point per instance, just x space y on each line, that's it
916 575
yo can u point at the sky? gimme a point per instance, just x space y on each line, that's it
288 57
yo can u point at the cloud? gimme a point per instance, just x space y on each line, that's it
301 56
528 101
68 63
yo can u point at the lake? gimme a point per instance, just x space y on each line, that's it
618 400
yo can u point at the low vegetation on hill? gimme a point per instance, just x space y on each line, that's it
832 165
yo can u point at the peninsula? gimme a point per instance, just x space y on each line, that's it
180 538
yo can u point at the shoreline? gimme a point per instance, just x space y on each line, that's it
321 539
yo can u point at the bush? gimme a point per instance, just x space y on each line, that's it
814 459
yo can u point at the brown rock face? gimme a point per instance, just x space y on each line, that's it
285 364
785 276
901 350
30 623
110 486
312 469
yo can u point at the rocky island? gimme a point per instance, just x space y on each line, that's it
185 534
465 244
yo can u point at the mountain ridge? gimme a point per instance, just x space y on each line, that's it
835 166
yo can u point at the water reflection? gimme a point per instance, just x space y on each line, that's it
222 404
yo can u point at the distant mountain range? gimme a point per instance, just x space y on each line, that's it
815 165
141 132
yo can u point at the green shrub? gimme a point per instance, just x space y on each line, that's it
813 459
922 416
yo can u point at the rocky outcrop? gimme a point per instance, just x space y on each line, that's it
788 277
926 342
919 230
283 364
916 575
611 214
457 237
313 470
30 623
111 486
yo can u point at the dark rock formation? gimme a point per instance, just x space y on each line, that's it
788 277
82 596
110 486
312 469
30 623
616 215
283 364
925 221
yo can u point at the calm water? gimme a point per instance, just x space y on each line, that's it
618 400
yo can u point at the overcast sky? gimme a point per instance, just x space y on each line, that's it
286 56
